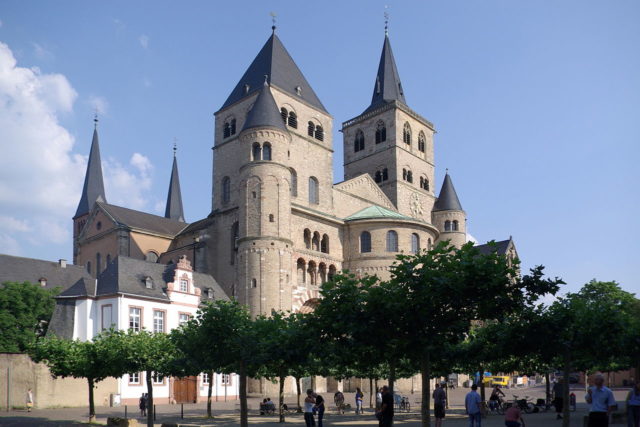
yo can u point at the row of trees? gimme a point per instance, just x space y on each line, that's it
443 310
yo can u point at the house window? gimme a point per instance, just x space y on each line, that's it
447 225
148 282
381 132
183 318
365 242
184 285
266 151
106 316
257 151
406 134
314 197
293 120
421 142
157 379
135 315
226 379
205 378
415 243
358 142
392 241
226 189
134 378
158 321
319 135
294 183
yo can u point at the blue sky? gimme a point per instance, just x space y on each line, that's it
536 104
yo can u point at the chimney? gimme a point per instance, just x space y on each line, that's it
62 263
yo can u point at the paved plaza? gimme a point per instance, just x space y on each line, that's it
226 413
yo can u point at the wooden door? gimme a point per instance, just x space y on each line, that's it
184 389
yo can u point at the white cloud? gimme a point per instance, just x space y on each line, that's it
8 223
144 41
99 104
42 53
125 187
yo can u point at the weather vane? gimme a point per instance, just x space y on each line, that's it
273 20
386 20
95 116
175 146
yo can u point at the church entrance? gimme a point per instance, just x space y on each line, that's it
184 389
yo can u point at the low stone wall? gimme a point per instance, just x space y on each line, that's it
18 373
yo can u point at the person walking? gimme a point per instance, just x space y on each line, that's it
359 397
378 399
558 398
602 402
439 402
309 404
29 400
513 417
385 414
142 404
633 406
319 408
472 407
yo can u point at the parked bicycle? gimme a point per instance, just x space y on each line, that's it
525 405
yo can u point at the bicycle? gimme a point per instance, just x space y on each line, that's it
497 406
525 405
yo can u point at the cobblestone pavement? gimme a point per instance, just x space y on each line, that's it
226 413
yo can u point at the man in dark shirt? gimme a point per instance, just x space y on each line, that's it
386 409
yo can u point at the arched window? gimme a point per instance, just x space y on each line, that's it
409 176
385 174
311 128
314 196
226 189
415 243
293 120
319 135
256 151
381 132
404 174
358 142
378 176
284 114
324 244
332 272
226 132
235 235
315 242
254 283
233 126
392 241
422 141
406 134
307 238
294 183
312 271
266 151
322 269
424 183
98 263
454 226
151 256
447 225
365 242
300 268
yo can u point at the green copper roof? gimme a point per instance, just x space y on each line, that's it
373 212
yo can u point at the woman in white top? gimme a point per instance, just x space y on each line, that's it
309 403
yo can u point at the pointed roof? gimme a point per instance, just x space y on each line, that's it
448 198
93 190
174 198
376 212
265 111
274 60
387 87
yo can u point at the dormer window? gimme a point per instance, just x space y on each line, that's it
298 91
184 285
209 293
148 282
43 281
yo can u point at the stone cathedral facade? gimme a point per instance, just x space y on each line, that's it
279 226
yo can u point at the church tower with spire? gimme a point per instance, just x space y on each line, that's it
392 143
448 215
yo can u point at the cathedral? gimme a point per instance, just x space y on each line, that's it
279 226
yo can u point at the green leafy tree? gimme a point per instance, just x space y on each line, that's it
25 312
441 291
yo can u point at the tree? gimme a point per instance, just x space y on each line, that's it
441 291
78 359
25 312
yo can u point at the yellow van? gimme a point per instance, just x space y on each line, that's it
502 381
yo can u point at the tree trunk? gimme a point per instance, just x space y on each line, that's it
209 393
92 406
481 385
565 389
548 387
244 416
299 410
392 377
150 400
425 373
371 393
281 396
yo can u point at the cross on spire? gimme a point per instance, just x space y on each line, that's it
386 20
273 21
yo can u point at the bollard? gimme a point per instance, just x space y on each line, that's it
182 411
154 412
125 411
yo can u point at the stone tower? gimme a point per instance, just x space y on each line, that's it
393 144
448 215
92 191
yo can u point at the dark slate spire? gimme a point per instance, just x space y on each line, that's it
274 60
265 111
93 190
448 199
174 198
387 87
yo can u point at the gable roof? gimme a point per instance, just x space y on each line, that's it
174 208
448 198
274 61
376 212
19 269
500 247
142 220
93 189
264 112
387 87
